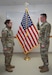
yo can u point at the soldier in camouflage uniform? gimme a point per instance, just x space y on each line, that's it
8 43
44 40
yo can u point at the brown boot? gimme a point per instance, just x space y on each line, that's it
41 67
9 69
44 69
11 66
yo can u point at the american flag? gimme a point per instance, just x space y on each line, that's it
27 33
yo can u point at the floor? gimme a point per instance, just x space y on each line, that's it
23 67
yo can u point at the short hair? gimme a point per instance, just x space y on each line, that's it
7 21
44 14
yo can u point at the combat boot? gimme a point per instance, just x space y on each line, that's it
9 69
44 69
41 67
11 66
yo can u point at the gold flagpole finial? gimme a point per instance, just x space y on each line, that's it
26 6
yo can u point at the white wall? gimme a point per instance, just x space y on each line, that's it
34 11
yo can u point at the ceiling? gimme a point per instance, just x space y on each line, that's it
21 2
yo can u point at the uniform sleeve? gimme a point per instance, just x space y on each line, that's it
38 26
3 38
47 32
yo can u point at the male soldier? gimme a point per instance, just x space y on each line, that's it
8 43
44 40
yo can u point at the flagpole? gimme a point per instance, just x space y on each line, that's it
26 10
27 58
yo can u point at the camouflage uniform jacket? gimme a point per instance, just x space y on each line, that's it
7 38
44 33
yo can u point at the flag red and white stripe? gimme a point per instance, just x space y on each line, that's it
28 40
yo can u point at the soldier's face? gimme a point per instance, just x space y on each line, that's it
10 24
42 19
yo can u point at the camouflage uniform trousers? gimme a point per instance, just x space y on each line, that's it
44 54
8 56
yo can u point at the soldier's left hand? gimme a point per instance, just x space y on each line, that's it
42 46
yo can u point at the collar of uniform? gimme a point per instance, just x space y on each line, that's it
44 23
8 28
